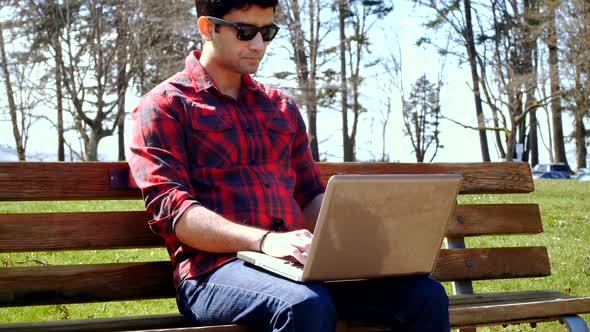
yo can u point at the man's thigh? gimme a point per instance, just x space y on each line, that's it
240 293
387 301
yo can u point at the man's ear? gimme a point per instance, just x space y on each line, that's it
206 28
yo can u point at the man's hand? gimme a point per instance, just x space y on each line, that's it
295 244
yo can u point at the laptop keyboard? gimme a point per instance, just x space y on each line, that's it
294 264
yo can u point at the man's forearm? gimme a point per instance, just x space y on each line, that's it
205 230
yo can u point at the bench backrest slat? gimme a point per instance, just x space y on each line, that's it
76 231
32 181
496 219
129 229
478 178
492 263
41 285
84 181
110 282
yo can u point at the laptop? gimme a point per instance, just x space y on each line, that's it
373 226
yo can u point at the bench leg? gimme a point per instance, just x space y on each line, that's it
575 323
460 287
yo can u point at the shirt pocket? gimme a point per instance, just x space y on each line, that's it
281 134
212 139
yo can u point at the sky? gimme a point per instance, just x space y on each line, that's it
399 32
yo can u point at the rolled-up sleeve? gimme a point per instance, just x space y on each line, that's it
309 183
158 161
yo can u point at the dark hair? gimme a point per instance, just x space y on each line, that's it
219 8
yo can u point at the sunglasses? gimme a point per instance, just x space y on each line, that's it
246 31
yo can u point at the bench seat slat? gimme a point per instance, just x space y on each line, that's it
110 180
129 229
161 321
153 323
111 282
486 309
465 311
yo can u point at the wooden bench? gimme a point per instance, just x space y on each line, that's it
82 283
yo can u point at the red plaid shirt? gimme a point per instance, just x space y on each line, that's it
247 159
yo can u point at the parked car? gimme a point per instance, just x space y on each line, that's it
554 167
550 175
584 177
581 172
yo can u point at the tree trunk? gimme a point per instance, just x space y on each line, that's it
471 53
92 148
347 147
312 129
121 128
497 133
517 113
582 102
530 55
511 142
554 77
534 139
580 138
384 156
20 149
306 67
59 95
122 53
54 36
311 98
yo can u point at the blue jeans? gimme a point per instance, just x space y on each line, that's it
241 294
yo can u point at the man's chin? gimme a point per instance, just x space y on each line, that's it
250 70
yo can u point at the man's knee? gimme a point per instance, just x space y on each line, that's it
439 297
312 310
436 300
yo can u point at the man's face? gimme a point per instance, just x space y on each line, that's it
236 55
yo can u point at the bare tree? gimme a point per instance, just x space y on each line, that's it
306 46
347 144
421 114
577 64
19 138
530 32
472 56
505 52
123 59
556 101
24 81
386 110
461 22
361 16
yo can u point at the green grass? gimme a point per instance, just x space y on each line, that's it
565 209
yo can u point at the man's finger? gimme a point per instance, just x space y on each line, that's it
299 256
308 234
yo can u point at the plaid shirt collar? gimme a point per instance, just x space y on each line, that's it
203 81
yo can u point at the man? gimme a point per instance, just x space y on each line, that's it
224 165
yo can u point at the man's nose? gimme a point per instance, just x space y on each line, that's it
257 43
